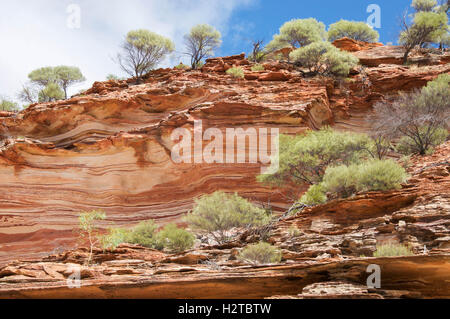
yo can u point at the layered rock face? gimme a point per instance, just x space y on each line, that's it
110 148
323 251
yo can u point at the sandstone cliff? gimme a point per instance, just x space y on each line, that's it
109 148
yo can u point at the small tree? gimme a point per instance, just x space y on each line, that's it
260 254
419 116
201 42
358 31
218 213
298 33
88 231
142 51
324 58
429 25
67 76
29 93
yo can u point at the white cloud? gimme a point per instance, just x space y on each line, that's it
35 33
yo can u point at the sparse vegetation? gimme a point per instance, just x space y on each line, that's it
358 31
236 72
392 250
304 158
260 254
324 58
174 239
429 25
218 213
257 68
419 118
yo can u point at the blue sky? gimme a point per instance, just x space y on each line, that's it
263 18
35 33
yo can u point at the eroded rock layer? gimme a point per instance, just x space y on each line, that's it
323 251
110 148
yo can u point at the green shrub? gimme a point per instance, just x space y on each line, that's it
375 175
174 239
304 158
258 67
407 145
314 196
114 238
260 254
359 31
236 72
393 250
143 234
216 214
325 59
182 66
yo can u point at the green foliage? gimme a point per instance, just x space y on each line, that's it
52 92
48 78
304 158
219 212
260 254
114 238
236 72
314 196
432 137
324 58
182 66
7 105
375 175
112 77
174 239
142 51
143 234
297 33
359 31
88 230
424 5
67 76
418 118
257 68
201 42
429 25
393 250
